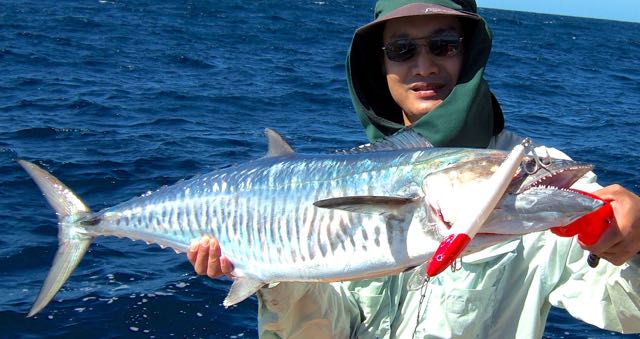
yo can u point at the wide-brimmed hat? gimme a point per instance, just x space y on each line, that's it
416 9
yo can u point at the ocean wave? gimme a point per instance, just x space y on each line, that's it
50 105
164 122
46 133
32 59
189 61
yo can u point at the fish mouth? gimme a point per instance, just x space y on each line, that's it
558 173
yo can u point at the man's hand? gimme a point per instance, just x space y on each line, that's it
621 240
205 256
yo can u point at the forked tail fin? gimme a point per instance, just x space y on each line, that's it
73 241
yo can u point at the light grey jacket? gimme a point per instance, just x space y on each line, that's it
505 291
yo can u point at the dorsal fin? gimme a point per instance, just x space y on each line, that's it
277 145
405 139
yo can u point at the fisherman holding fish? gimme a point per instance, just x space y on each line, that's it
420 64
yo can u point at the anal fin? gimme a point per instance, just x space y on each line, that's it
241 289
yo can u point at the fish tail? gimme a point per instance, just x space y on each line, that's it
73 240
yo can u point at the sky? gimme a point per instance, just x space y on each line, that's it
619 10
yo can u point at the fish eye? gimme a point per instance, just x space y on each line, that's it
530 166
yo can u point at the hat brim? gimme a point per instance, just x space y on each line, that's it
417 9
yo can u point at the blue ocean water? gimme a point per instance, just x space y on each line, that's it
118 98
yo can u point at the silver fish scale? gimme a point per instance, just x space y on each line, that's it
262 211
316 218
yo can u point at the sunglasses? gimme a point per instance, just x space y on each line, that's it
404 49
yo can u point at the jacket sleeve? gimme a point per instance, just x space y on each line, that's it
306 310
607 296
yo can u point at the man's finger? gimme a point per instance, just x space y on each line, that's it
213 264
192 253
620 253
202 257
226 266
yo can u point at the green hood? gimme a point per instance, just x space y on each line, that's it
468 117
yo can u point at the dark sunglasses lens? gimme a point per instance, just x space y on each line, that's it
444 46
400 50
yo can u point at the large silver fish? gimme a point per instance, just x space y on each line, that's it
368 212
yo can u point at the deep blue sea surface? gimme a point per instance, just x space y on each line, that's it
118 98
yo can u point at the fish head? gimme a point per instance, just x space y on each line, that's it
538 197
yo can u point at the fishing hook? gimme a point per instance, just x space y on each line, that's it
538 161
456 265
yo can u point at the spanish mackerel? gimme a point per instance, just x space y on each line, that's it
372 211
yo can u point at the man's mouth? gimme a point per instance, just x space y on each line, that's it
428 89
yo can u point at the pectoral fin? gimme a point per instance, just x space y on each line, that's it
368 204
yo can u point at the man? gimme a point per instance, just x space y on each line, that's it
421 65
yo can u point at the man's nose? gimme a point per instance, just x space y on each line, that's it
425 63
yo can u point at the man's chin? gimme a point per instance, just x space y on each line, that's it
424 108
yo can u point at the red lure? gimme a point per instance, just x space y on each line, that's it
589 227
